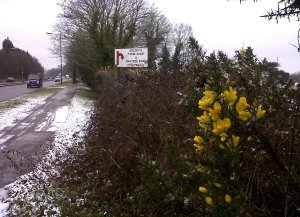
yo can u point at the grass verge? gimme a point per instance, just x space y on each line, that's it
47 91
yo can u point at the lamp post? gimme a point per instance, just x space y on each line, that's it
60 53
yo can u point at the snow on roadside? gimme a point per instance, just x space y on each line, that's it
3 205
70 125
9 117
60 116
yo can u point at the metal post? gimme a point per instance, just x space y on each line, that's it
60 54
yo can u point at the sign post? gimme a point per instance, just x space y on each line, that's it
131 57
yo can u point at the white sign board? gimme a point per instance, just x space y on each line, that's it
131 57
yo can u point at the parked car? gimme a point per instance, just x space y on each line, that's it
57 79
34 80
10 79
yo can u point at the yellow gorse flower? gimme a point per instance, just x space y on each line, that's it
227 198
198 139
207 100
215 112
202 189
221 126
204 121
208 200
235 140
245 115
242 104
201 169
260 112
230 96
198 147
223 136
241 107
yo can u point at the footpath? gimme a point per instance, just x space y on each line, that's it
22 144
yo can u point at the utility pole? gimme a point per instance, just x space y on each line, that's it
60 54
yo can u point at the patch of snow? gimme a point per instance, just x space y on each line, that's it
41 126
9 117
4 139
3 205
60 117
70 124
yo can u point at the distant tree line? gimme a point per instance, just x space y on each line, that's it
51 73
17 63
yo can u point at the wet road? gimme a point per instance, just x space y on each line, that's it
22 145
10 92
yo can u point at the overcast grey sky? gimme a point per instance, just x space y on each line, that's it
217 25
26 22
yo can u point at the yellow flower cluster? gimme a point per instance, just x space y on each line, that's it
241 108
211 118
199 143
217 126
209 200
230 96
207 99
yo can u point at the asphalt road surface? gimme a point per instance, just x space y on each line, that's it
10 92
22 145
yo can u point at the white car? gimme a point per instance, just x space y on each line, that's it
57 79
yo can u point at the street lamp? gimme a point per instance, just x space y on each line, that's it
60 54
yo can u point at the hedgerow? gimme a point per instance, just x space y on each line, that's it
167 145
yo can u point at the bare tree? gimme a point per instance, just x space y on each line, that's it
181 34
92 29
153 31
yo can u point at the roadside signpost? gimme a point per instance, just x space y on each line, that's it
131 57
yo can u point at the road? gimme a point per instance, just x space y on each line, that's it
22 144
10 92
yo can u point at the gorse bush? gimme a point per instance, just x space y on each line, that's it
224 128
248 161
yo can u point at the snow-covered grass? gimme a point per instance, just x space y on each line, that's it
33 193
11 112
18 108
9 116
3 205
